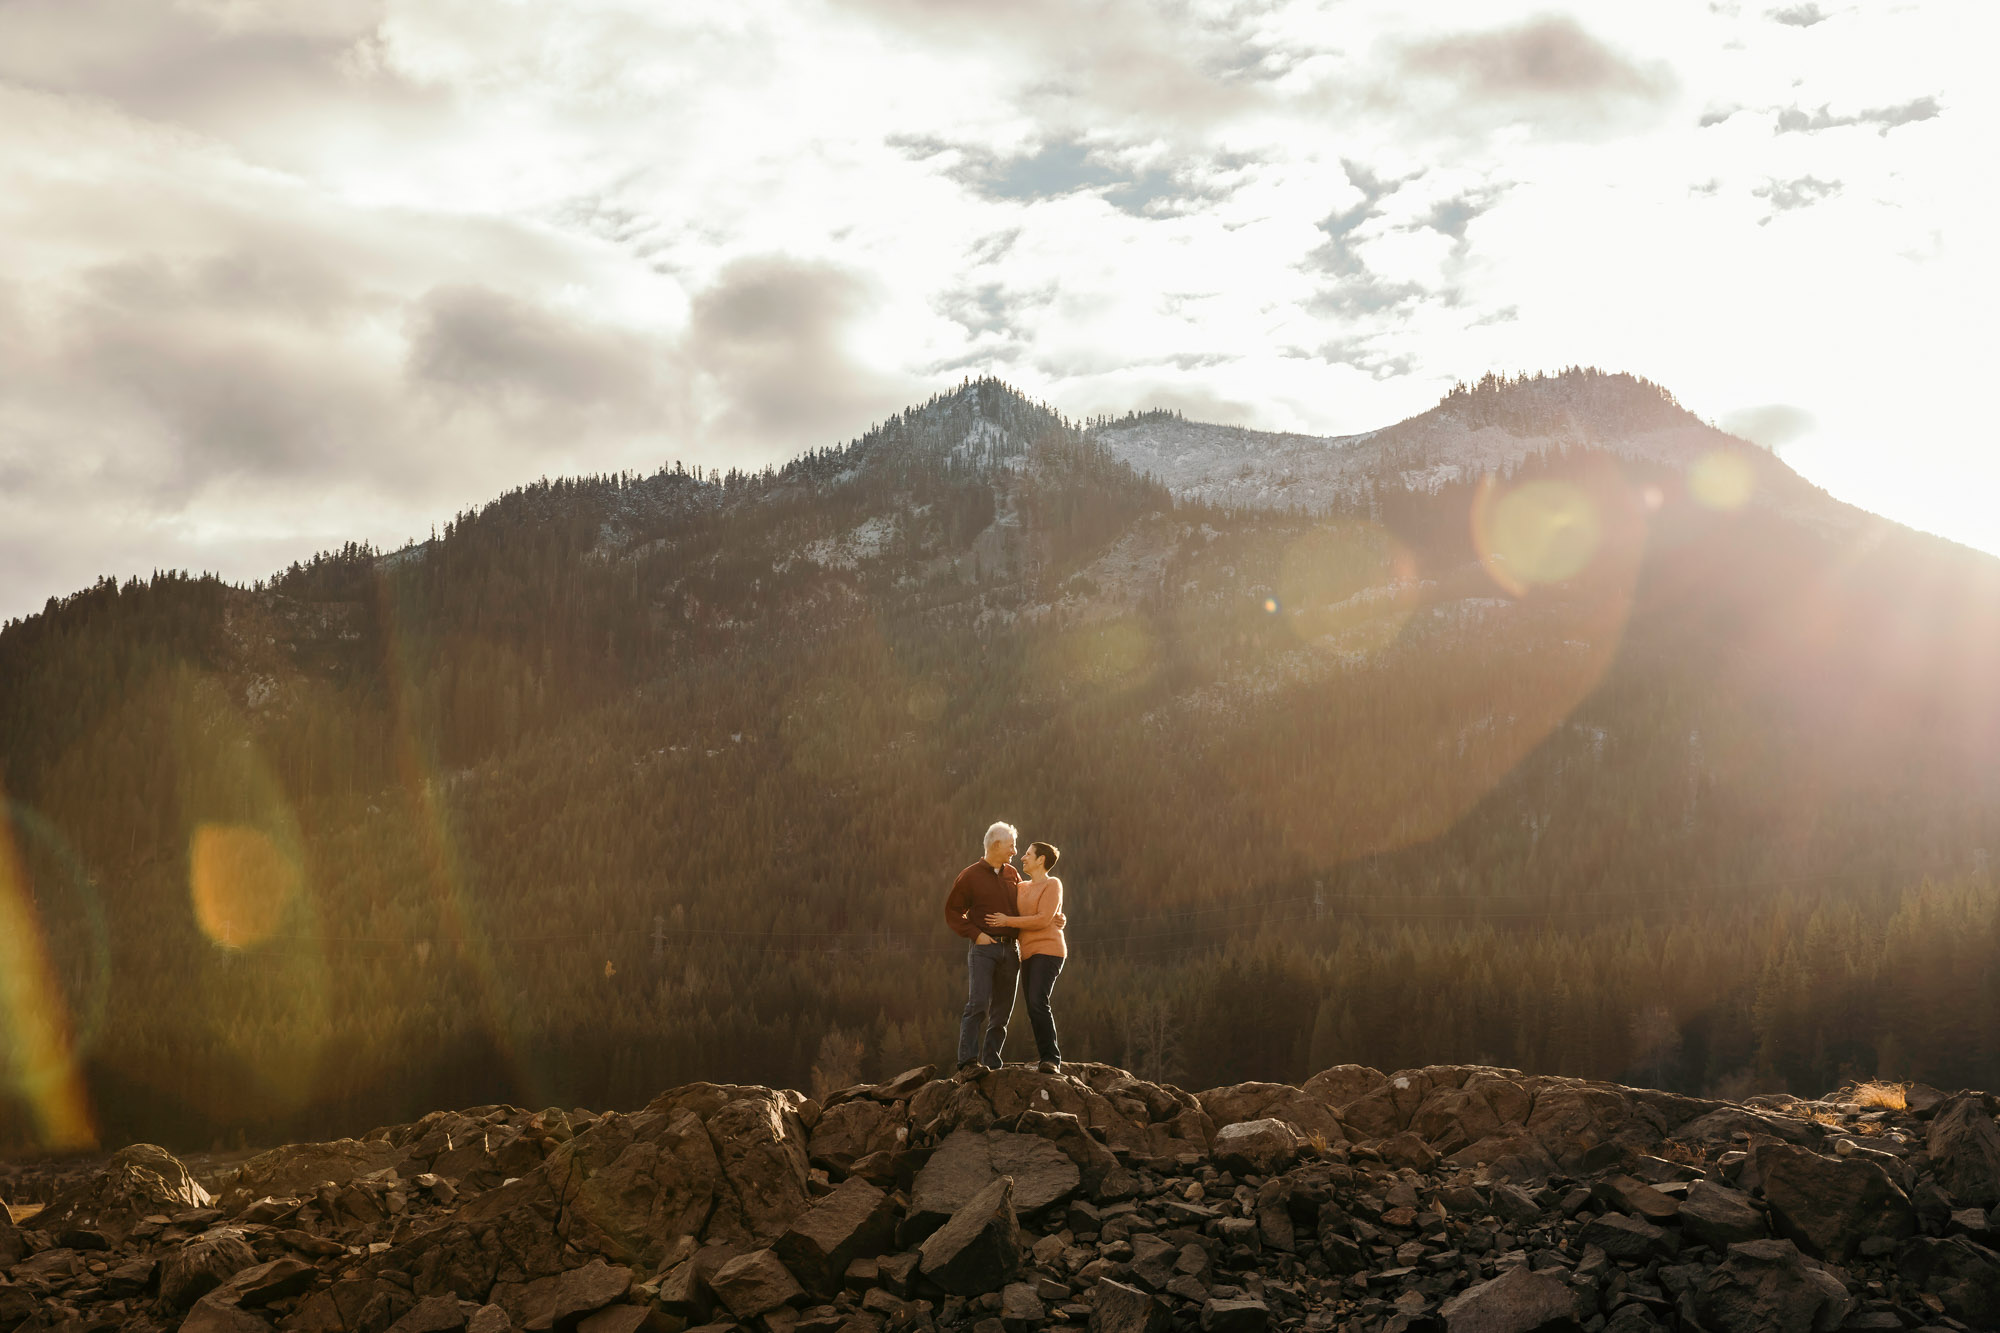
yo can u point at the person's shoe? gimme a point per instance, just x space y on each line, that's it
970 1069
1050 1066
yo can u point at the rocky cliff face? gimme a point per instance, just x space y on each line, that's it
1467 1199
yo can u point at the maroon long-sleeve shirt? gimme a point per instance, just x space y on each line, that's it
978 891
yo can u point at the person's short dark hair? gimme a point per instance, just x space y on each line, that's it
1048 853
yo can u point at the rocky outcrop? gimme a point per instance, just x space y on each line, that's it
1445 1198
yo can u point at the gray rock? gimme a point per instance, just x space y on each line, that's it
1829 1205
1964 1147
1965 1276
1520 1300
1256 1147
1718 1216
489 1319
432 1314
968 1162
13 1246
138 1181
856 1221
1635 1198
753 1283
1511 1203
1244 1315
1767 1286
1117 1308
978 1249
559 1301
277 1280
212 1314
201 1265
1624 1237
1021 1306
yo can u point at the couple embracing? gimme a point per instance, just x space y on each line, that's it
1014 932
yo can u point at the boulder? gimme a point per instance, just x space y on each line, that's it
968 1162
201 1265
1021 1306
275 1280
1624 1237
1095 1163
978 1249
1964 1147
556 1303
1117 1308
1635 1198
137 1182
1511 1203
432 1314
753 1283
1451 1119
1407 1150
1717 1131
1343 1085
1243 1315
851 1131
1963 1275
1829 1205
855 1221
1585 1126
1520 1300
212 1314
1718 1216
1767 1286
1256 1147
1243 1102
1386 1108
299 1168
13 1246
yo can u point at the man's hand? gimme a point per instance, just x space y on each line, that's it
984 938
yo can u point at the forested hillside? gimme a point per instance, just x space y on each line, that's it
1590 765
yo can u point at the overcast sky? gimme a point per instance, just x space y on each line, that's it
278 275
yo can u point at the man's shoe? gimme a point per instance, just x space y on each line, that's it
1050 1066
970 1069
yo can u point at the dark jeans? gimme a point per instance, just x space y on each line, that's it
991 971
1038 975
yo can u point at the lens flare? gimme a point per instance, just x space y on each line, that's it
241 881
1349 585
1721 480
40 1063
1540 532
1271 605
1111 655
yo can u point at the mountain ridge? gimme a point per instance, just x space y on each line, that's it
629 780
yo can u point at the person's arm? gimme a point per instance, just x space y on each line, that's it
957 908
1041 920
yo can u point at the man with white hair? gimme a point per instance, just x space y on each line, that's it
992 965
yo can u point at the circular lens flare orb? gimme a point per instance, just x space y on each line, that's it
1722 480
241 882
1539 532
1271 605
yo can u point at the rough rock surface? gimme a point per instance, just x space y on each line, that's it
1442 1198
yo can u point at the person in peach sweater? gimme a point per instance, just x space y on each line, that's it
1038 899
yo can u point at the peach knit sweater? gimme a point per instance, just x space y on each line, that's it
1038 907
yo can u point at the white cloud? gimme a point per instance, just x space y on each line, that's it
337 272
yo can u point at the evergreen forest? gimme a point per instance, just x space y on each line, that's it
626 781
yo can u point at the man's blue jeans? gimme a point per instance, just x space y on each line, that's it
991 972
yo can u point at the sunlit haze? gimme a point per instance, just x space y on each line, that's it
273 277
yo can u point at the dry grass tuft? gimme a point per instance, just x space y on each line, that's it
1878 1096
1685 1154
